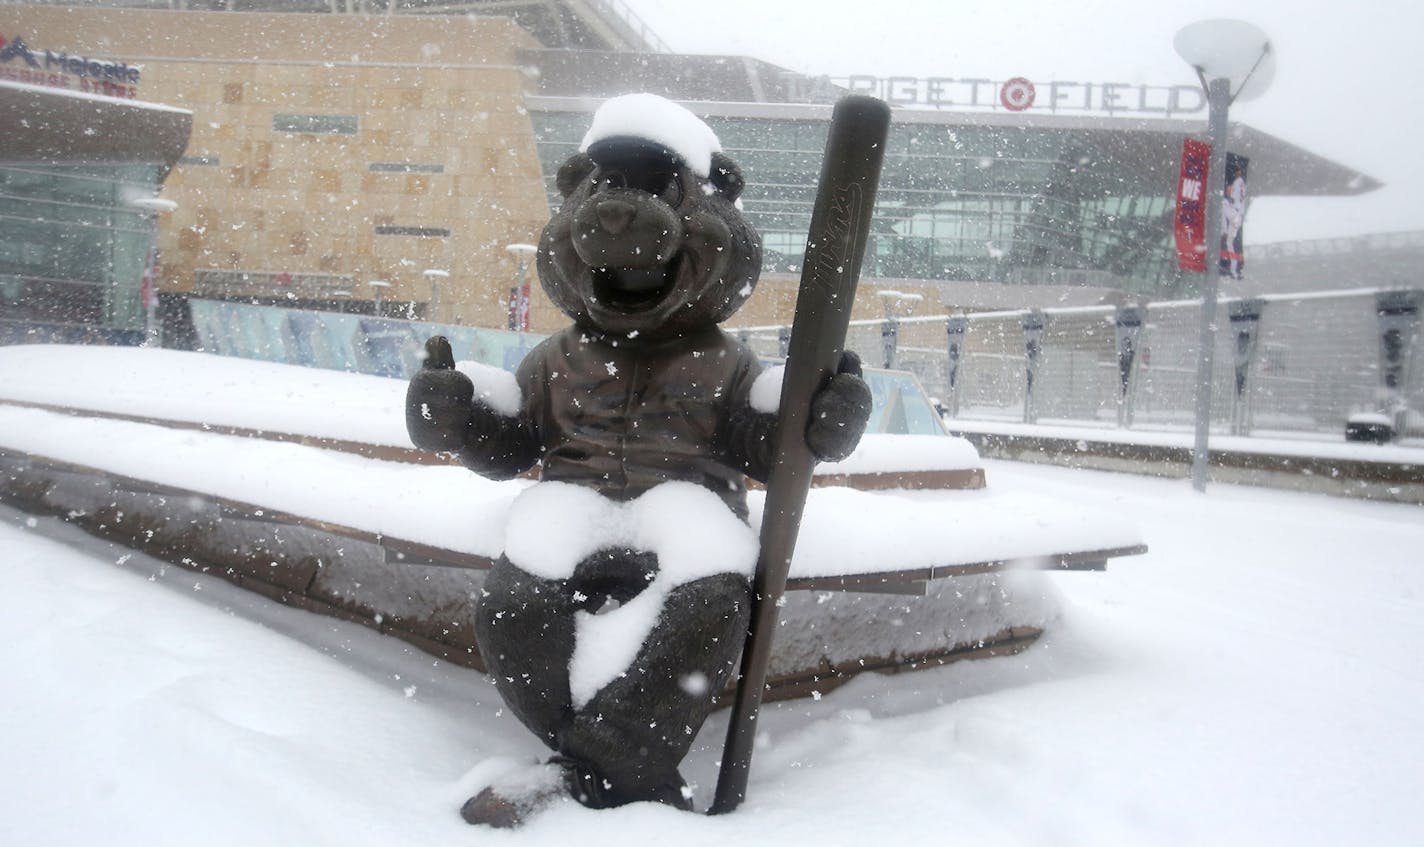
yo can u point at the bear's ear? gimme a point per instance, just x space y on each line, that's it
726 177
572 172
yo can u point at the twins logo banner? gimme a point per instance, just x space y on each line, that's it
1233 214
519 308
1190 220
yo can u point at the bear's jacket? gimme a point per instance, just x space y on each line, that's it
622 417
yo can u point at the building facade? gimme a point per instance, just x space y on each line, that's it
992 198
385 163
334 160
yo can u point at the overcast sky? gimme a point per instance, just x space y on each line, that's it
1347 84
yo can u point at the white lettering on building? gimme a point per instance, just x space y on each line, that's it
977 93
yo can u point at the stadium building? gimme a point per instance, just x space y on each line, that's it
376 160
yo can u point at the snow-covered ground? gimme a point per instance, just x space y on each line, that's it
1406 451
1254 679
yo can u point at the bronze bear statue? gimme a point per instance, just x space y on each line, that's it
642 393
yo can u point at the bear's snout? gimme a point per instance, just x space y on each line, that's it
615 215
626 228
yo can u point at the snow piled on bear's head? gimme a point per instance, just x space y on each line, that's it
659 120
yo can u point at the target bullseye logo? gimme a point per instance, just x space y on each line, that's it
1017 94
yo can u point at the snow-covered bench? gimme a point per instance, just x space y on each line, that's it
165 440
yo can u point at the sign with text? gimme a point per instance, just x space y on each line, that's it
1189 222
58 69
1017 94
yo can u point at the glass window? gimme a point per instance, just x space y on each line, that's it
954 202
76 246
331 124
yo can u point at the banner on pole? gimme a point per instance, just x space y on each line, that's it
1233 214
148 287
519 308
1190 221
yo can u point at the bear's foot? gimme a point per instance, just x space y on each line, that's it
514 798
594 791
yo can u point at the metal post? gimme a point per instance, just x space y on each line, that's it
1398 313
956 328
434 276
1128 324
1245 316
1219 102
1033 324
377 286
151 208
152 329
889 339
522 309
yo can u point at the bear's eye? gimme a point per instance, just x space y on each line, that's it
671 190
612 179
665 185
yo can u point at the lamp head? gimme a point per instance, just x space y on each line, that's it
1222 48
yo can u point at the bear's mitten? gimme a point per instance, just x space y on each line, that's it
839 412
439 400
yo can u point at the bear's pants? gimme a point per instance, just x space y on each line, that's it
627 741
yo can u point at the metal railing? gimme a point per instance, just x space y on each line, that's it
1299 364
619 11
1411 240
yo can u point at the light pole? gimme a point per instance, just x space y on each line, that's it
519 297
377 286
153 206
1233 60
434 276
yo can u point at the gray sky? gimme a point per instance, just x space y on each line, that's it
1348 77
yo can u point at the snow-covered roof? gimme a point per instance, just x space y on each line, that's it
92 97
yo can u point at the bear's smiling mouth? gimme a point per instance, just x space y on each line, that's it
633 289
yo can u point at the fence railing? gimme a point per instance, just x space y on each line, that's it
395 348
1284 363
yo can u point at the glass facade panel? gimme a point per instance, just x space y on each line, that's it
1003 204
73 248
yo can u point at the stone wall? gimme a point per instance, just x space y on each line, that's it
357 148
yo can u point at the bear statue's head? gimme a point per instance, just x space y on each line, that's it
650 242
